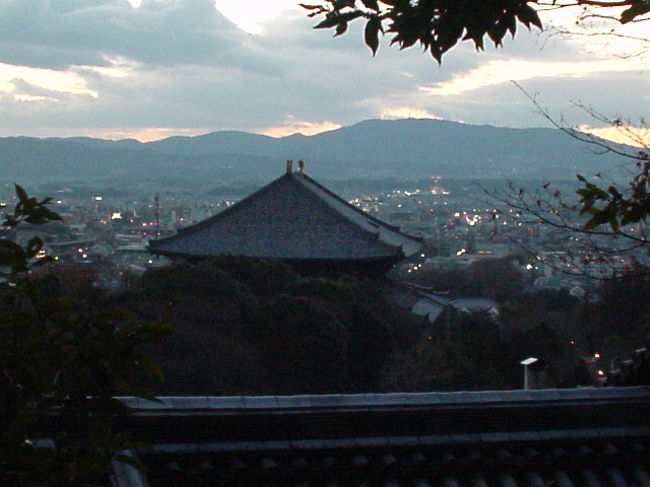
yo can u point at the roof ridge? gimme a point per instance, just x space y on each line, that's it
393 399
330 208
382 223
188 230
389 233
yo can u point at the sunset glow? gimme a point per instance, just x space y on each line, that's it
406 112
636 136
145 134
249 14
294 126
498 72
29 84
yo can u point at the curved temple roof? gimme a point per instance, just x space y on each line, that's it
293 217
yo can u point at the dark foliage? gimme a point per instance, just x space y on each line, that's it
498 279
439 25
436 25
255 327
60 354
302 346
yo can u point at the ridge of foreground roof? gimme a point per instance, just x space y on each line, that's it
386 400
588 437
292 217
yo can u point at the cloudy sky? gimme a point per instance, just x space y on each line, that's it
152 68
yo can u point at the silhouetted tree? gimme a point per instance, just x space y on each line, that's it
302 347
439 25
60 356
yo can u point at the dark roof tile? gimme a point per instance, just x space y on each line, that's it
587 438
227 402
256 402
293 217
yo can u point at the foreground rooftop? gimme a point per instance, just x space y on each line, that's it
565 437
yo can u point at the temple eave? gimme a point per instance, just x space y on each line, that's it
362 266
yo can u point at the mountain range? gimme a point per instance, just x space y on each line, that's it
370 149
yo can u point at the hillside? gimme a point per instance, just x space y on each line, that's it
369 149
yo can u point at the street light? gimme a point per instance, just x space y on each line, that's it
527 377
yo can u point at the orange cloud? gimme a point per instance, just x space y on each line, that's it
503 71
406 112
626 134
49 79
147 134
295 126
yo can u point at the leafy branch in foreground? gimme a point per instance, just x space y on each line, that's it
612 206
573 247
604 220
27 210
61 364
438 25
615 207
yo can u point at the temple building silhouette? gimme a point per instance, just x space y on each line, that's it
296 220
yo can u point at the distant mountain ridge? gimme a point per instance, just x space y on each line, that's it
372 148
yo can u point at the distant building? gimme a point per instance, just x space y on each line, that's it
493 250
299 221
132 254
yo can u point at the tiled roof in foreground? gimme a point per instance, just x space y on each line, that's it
634 371
293 217
565 438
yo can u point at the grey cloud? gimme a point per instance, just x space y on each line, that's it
159 33
22 87
199 71
505 105
339 88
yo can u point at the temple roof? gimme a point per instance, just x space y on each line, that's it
293 217
563 437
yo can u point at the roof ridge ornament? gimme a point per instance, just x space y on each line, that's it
301 167
289 166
